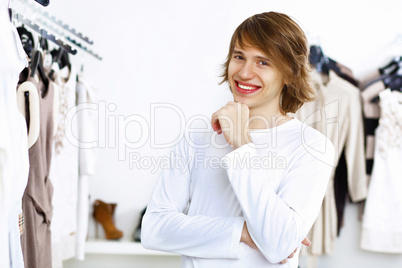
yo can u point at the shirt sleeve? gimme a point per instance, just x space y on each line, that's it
279 221
166 227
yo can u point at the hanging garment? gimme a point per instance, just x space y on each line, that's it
14 164
37 199
371 118
365 81
341 189
64 173
86 117
336 113
371 85
382 229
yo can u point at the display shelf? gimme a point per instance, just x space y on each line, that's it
124 247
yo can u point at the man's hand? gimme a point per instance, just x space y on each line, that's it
305 242
246 238
232 120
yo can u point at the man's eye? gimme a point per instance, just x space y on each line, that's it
263 63
239 57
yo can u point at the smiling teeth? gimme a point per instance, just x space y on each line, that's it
246 87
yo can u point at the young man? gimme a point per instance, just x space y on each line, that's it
255 207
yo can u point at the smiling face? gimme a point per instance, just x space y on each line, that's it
268 38
254 80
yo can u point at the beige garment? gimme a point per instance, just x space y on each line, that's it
336 113
36 202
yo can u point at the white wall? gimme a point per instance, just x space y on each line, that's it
170 52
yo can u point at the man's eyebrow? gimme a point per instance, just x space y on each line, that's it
239 52
262 58
235 51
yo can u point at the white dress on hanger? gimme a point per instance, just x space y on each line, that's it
14 163
64 174
382 219
87 134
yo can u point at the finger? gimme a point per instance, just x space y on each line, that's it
306 242
291 255
215 124
284 261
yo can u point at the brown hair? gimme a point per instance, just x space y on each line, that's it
285 43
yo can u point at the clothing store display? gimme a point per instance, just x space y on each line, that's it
86 119
381 228
37 199
14 164
26 190
198 209
336 113
103 214
64 173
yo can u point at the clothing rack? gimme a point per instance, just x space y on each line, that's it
58 22
84 48
60 33
56 30
44 33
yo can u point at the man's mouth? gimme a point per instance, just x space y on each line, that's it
246 88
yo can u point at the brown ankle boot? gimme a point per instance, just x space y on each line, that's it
103 214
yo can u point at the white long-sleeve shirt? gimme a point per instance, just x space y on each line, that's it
276 184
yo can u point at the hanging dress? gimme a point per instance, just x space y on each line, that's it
64 172
14 163
37 199
382 219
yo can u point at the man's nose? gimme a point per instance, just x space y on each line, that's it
247 71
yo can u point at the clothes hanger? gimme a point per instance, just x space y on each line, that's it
392 65
37 65
44 3
55 62
27 39
392 81
28 105
324 64
336 67
396 82
62 58
319 60
387 76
